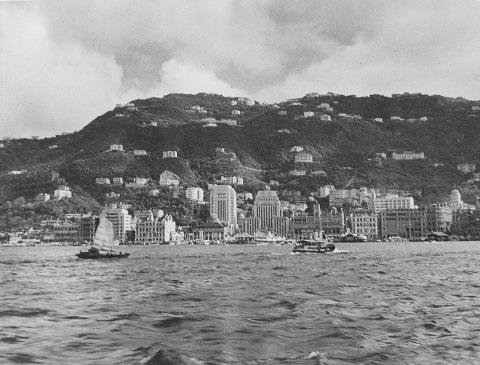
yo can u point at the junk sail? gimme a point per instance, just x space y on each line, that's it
103 239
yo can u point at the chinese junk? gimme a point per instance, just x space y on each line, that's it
102 246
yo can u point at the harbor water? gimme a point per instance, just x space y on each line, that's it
367 303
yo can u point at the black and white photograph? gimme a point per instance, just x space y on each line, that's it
239 182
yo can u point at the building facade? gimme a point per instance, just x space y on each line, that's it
365 223
121 220
155 229
223 204
194 194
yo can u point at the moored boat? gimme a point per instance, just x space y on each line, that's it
103 241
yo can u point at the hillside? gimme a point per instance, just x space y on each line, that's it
342 147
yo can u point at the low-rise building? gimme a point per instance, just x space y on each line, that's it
102 181
170 154
194 193
236 112
466 167
209 231
231 180
139 152
325 118
168 178
116 147
282 112
303 157
408 155
62 192
308 114
298 172
378 120
296 149
42 197
117 180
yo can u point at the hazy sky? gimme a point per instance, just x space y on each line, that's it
65 62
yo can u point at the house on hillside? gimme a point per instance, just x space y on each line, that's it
236 112
170 154
466 167
168 178
102 181
116 147
325 118
117 180
303 156
139 152
61 192
308 114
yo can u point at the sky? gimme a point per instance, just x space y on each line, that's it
62 63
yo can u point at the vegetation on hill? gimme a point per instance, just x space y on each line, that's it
342 148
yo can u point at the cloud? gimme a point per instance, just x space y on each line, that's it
69 61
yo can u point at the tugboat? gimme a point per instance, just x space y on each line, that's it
102 246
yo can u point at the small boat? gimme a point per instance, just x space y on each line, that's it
313 246
103 241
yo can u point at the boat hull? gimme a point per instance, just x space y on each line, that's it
314 249
93 256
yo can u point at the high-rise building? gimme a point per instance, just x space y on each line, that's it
266 207
122 221
455 200
223 204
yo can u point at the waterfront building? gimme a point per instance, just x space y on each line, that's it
265 207
87 226
365 223
194 194
223 204
62 192
303 157
168 178
66 231
121 220
209 231
466 224
333 223
155 229
170 154
102 181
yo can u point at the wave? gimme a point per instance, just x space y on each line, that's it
170 357
24 313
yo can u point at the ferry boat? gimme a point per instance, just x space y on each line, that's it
103 241
313 246
352 237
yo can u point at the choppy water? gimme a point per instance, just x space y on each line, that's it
415 303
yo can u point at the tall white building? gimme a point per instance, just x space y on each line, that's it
223 204
121 220
194 193
266 207
455 200
393 202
